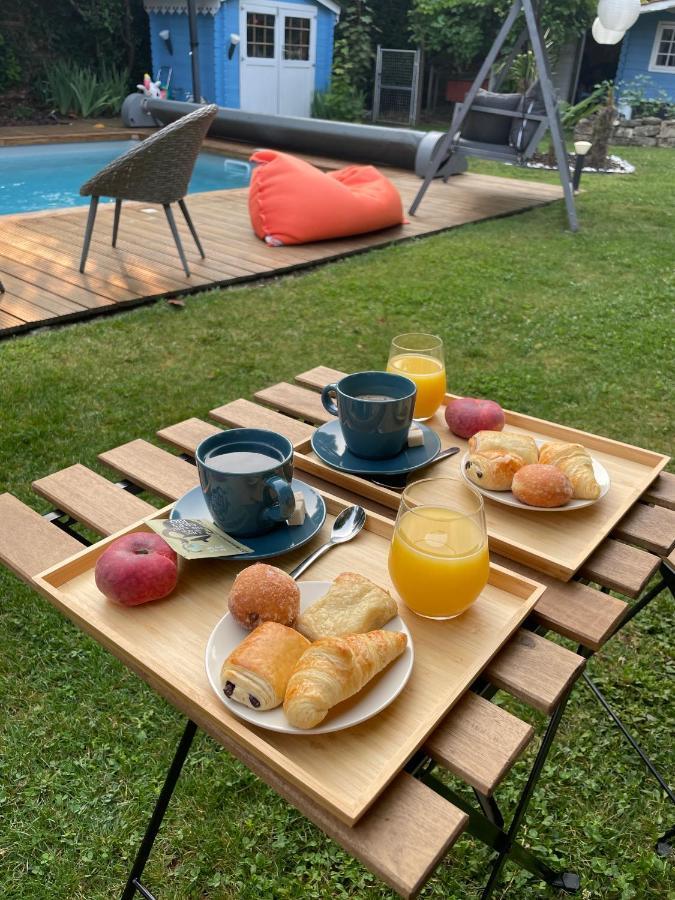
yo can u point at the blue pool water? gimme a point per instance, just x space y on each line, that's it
49 176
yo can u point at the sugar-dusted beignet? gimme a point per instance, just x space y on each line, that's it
353 605
521 445
257 671
575 461
334 669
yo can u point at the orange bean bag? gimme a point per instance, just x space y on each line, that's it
293 202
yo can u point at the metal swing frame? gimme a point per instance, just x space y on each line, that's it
451 143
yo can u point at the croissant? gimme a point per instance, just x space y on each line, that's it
336 668
513 442
492 470
575 461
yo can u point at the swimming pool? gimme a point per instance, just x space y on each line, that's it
49 176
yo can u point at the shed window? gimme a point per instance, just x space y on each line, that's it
296 38
260 35
663 53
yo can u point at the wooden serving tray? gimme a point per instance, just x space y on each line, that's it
164 642
557 543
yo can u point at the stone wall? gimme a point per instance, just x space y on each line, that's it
648 131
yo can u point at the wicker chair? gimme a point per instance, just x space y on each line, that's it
158 170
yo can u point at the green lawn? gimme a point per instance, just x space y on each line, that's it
577 328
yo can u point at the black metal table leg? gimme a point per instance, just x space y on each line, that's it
664 846
133 883
494 837
567 881
667 581
629 737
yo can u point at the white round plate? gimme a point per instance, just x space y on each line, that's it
508 499
369 702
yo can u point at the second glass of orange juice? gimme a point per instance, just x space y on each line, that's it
420 357
438 559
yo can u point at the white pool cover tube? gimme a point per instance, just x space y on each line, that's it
399 147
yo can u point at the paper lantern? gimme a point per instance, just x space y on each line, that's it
604 35
618 15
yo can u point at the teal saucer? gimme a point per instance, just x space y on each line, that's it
329 445
282 539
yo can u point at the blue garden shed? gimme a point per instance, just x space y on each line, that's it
256 55
648 50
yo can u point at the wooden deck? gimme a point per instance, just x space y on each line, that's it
39 252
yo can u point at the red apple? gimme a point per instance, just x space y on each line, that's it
469 415
137 568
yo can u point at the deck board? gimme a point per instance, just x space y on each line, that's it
39 252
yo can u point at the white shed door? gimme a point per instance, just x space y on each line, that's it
278 55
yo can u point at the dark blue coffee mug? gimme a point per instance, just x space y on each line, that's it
246 474
375 410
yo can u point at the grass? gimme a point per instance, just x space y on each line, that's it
573 328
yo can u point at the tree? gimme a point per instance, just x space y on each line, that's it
463 30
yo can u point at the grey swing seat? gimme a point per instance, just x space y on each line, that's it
523 131
157 170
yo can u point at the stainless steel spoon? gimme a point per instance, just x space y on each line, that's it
399 482
346 526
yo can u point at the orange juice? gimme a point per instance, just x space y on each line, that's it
438 561
428 374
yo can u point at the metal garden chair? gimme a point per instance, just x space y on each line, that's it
158 170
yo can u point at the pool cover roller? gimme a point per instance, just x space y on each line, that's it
398 147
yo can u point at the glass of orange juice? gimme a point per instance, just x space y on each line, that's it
420 357
438 559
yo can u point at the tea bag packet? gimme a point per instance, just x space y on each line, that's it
415 437
299 513
197 538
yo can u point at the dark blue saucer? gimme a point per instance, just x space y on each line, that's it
329 445
282 539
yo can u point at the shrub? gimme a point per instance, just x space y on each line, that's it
10 70
342 103
633 94
85 92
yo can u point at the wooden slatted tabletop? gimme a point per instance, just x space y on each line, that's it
409 829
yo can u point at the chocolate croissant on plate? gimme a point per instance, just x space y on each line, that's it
336 668
493 469
575 461
513 442
257 671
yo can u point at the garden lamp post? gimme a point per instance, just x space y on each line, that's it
581 148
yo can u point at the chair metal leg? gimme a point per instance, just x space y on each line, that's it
176 237
133 884
193 230
116 221
93 206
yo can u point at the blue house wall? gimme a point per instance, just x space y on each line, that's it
636 54
220 75
177 24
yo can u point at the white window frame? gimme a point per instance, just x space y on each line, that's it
655 49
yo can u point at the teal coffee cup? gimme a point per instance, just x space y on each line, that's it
246 474
375 410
